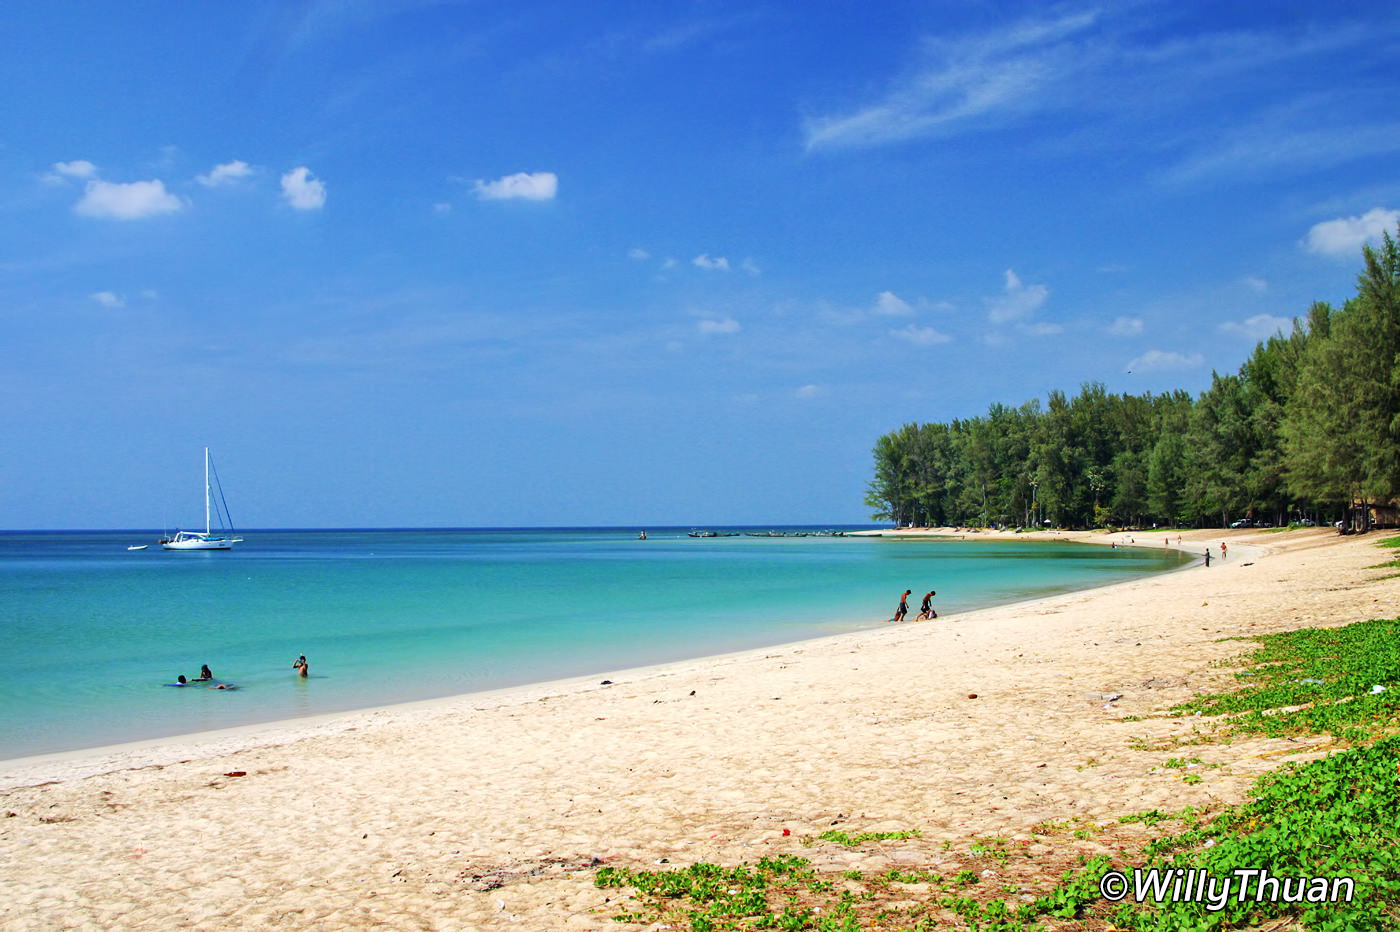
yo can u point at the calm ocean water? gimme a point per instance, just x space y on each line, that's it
91 632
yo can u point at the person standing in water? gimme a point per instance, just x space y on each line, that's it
926 609
903 609
300 666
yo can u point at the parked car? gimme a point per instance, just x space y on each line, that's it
1243 522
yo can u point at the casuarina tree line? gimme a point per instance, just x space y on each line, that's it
1308 429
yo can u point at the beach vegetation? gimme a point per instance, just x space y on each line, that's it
1330 818
852 840
1304 434
1339 681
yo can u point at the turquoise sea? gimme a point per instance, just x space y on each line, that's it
91 632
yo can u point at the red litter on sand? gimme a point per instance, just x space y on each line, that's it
787 832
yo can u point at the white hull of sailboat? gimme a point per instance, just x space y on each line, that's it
199 543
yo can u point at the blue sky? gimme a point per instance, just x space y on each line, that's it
432 263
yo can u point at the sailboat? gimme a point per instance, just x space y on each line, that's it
194 540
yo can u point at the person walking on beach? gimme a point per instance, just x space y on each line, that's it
1222 550
903 609
926 609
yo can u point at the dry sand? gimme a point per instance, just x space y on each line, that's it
491 810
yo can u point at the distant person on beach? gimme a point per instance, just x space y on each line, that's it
926 609
903 609
204 673
1207 556
1222 550
300 666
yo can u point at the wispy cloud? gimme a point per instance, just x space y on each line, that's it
703 261
225 174
890 304
716 326
1277 143
639 254
1258 327
1345 236
1125 326
303 190
1017 301
78 168
525 186
966 79
108 299
1111 78
134 200
920 336
1163 360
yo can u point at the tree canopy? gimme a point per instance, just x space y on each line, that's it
1310 425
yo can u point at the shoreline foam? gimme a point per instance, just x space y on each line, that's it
490 810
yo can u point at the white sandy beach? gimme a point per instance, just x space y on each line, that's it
492 810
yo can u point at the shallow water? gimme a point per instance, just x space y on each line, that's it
91 632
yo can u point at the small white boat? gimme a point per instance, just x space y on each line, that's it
137 547
209 540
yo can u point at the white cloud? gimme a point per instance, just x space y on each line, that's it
969 77
1255 284
809 391
638 253
1126 326
1160 360
527 186
1017 301
303 190
112 201
669 264
1040 329
920 336
441 208
227 173
1346 235
703 261
750 266
711 326
892 305
78 168
108 299
1259 327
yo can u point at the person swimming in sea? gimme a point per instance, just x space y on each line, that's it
205 674
301 667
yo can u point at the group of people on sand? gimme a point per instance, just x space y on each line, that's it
207 676
925 609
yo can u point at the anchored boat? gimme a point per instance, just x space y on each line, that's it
209 540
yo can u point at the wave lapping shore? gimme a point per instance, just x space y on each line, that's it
493 810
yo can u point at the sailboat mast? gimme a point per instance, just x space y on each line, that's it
206 491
